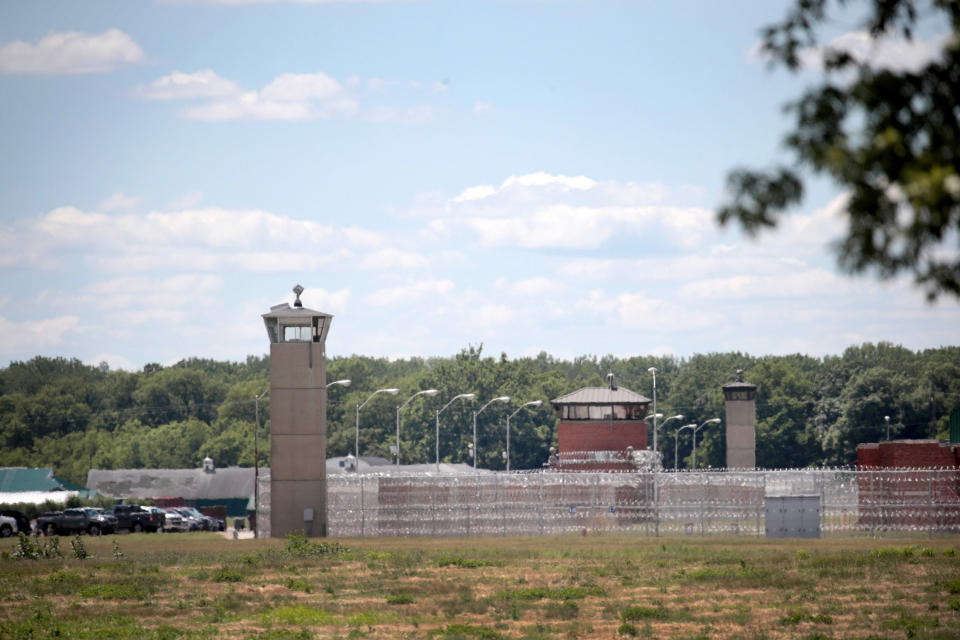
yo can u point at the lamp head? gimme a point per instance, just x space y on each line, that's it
467 396
430 392
712 420
652 370
392 392
534 403
503 399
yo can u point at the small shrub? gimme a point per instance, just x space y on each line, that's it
298 546
952 586
79 549
640 612
566 610
627 629
400 598
226 574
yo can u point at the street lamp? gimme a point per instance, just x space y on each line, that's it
342 383
465 396
887 420
425 392
475 414
532 403
676 442
256 461
653 370
711 420
356 443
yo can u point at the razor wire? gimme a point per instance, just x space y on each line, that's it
700 503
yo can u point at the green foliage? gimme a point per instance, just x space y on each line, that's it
299 546
33 548
889 138
810 412
79 548
400 598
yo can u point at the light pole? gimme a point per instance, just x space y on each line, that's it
676 442
425 392
356 442
653 370
475 414
465 396
657 416
887 420
710 421
532 403
256 462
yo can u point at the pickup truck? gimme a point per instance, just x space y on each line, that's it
132 517
76 520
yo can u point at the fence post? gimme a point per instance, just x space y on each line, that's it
540 502
363 512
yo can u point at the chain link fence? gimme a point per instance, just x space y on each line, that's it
708 503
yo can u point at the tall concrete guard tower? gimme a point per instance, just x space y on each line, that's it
298 418
741 413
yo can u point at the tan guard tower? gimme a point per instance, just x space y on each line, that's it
741 412
298 419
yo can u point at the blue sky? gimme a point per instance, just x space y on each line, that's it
530 175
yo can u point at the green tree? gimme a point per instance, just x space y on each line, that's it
889 138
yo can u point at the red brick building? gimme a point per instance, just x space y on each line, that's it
600 428
909 484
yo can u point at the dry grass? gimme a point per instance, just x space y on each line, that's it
205 586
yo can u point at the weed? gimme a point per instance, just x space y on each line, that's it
952 586
627 629
227 574
566 610
117 554
400 598
79 549
299 615
466 632
297 584
640 612
298 546
460 562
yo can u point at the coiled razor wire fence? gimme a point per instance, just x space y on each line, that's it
708 503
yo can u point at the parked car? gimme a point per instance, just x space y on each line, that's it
76 520
193 522
157 516
131 517
173 521
8 526
23 522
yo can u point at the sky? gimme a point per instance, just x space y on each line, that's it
529 175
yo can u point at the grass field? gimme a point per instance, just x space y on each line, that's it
205 586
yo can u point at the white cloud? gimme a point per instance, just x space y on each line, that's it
118 202
540 210
69 53
189 240
410 292
391 258
291 97
114 361
188 86
190 200
482 108
894 53
539 286
475 193
302 86
332 302
637 311
36 334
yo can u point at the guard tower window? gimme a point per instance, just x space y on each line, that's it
297 334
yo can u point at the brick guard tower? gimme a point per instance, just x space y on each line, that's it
741 414
298 419
601 429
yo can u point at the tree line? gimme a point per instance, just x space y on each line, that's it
810 411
